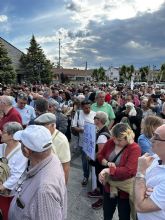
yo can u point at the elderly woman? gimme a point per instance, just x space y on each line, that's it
146 108
61 119
102 136
11 150
120 156
149 125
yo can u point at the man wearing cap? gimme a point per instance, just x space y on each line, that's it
41 191
150 177
27 112
60 142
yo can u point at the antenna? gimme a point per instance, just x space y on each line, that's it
59 59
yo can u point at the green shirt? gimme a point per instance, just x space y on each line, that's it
104 108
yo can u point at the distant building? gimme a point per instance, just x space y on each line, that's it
113 73
72 74
14 54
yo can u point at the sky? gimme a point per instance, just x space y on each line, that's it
100 32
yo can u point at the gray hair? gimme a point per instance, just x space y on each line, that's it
103 117
54 103
98 93
22 96
8 100
12 127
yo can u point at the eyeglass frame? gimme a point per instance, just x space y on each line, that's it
156 139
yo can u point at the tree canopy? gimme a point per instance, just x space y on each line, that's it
7 72
35 66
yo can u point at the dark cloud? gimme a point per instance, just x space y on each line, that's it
78 34
139 41
72 6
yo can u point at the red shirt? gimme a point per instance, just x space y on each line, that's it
12 115
127 167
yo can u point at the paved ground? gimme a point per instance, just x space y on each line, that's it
79 205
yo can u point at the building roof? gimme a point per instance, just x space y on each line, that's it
13 52
72 72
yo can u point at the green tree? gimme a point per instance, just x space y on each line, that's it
95 74
99 74
36 68
144 71
162 72
126 72
7 72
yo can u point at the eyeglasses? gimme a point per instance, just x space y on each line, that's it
156 137
96 118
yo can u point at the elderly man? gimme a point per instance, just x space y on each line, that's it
41 191
61 119
101 105
9 112
27 112
150 180
60 143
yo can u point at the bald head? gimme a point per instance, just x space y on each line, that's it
160 131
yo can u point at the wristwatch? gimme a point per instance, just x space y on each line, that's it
140 175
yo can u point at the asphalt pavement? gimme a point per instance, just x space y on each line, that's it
79 205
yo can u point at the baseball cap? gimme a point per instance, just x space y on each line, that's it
35 137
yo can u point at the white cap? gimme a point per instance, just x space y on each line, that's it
35 137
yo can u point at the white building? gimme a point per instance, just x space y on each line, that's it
113 73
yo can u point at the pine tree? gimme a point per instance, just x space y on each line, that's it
36 68
7 72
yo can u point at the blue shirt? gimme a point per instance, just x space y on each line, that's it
145 144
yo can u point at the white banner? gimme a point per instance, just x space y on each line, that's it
89 140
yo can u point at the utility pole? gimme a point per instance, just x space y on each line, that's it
59 63
86 65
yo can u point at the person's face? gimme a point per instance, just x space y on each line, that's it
120 142
100 99
63 96
144 103
158 144
128 98
21 103
51 108
96 120
5 138
86 108
7 92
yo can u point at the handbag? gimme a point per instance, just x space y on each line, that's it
4 169
73 131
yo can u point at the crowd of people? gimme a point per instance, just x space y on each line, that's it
40 125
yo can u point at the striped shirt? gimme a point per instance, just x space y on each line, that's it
42 193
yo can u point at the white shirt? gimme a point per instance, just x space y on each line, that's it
155 178
17 164
27 114
81 122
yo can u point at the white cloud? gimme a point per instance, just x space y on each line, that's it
88 10
3 18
